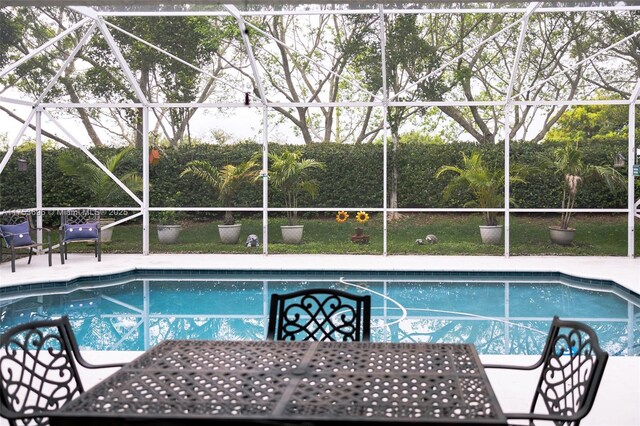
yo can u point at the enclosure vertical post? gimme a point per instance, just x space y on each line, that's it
507 189
39 176
145 180
385 106
507 128
631 202
265 180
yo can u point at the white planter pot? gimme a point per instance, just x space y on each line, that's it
491 234
563 237
105 234
230 234
292 234
168 234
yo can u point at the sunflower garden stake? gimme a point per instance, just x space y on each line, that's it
361 218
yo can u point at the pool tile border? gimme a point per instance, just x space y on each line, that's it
149 272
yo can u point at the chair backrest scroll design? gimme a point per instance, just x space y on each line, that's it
320 314
38 372
572 368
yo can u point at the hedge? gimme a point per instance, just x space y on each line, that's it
353 176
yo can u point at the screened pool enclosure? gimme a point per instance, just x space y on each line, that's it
488 74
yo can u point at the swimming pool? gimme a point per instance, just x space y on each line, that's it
501 314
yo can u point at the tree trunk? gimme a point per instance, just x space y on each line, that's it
393 196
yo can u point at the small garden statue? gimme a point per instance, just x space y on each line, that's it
431 239
252 241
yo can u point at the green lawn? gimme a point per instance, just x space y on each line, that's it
597 235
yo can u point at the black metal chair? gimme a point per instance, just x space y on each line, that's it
16 233
38 370
80 226
319 314
572 367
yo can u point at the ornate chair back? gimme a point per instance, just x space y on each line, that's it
37 370
319 314
572 367
17 232
82 225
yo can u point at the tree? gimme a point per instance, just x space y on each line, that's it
616 71
34 27
592 122
104 190
307 59
410 56
226 180
486 184
199 41
10 34
568 163
95 75
289 172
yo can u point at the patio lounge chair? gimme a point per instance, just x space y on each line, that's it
319 314
572 367
80 226
16 233
38 370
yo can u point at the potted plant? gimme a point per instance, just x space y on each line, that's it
289 172
226 181
567 162
487 186
168 227
103 190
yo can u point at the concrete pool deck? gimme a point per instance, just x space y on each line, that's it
622 270
618 400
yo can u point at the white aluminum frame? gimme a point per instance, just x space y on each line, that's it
95 20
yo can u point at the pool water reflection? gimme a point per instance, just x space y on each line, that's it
507 315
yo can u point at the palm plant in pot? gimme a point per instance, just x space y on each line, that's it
103 191
289 172
568 163
226 181
487 186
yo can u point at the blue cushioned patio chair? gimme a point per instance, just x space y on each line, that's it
319 314
572 365
39 370
81 225
17 232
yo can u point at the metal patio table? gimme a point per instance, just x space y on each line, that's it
276 382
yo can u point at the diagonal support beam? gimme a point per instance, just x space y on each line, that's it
247 44
85 38
52 41
516 60
451 61
13 145
172 56
124 66
577 64
313 61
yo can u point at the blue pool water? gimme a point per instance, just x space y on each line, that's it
507 314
